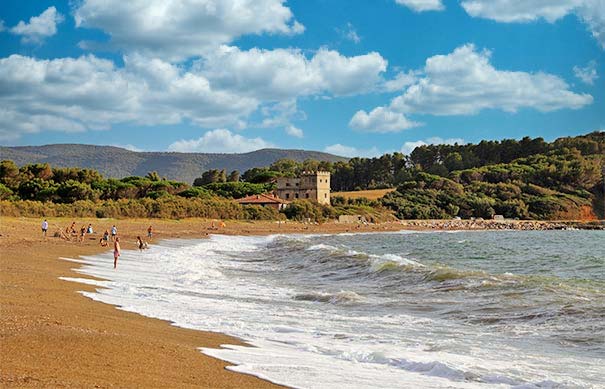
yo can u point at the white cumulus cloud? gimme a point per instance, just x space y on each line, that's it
285 73
591 12
39 27
381 120
179 29
587 74
220 91
422 5
220 141
464 82
408 147
68 94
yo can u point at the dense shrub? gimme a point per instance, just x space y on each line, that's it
237 190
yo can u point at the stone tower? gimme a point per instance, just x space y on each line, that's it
313 186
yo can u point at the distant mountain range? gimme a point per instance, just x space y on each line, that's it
117 162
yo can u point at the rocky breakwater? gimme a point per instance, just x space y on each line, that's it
481 224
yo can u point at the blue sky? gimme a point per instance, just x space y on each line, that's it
356 78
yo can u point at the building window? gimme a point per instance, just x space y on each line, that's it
287 195
297 184
296 195
307 195
325 195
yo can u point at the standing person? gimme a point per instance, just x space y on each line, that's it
114 232
106 237
149 232
44 228
116 252
82 233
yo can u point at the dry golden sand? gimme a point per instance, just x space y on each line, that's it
52 336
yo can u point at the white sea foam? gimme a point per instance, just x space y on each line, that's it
311 338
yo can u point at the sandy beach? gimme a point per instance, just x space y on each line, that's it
50 335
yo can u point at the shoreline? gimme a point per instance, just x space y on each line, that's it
48 328
53 336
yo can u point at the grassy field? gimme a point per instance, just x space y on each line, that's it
373 194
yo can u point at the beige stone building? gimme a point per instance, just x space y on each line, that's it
313 186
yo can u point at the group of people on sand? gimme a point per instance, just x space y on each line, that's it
109 234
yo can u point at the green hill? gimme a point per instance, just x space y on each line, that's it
116 162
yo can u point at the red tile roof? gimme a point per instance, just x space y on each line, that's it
262 199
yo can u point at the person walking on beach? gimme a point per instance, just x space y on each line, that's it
149 232
114 232
116 252
44 228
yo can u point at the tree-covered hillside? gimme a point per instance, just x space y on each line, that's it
526 179
116 162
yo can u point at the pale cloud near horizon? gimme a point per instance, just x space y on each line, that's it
422 5
220 141
408 147
39 27
182 28
587 74
464 82
349 151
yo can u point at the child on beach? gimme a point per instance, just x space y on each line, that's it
149 232
82 233
89 229
116 252
114 232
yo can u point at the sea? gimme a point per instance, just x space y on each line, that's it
461 309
